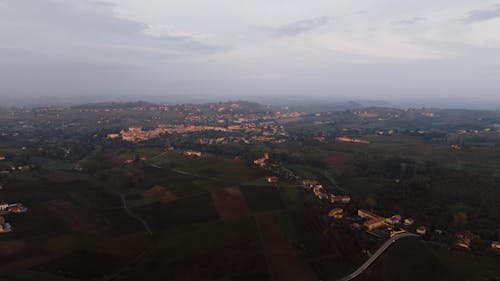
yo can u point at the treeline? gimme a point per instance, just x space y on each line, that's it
442 198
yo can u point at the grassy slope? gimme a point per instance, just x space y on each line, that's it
413 260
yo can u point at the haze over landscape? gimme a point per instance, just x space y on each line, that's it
91 50
249 140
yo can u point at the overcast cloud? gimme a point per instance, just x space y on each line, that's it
340 48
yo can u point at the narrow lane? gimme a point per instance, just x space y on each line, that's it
134 215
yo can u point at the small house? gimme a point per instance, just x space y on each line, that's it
394 219
374 223
336 213
408 221
272 179
495 245
421 230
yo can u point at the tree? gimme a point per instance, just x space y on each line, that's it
460 219
370 202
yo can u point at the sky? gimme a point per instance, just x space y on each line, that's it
375 49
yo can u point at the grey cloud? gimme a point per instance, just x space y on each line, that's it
483 15
299 27
43 24
79 47
409 21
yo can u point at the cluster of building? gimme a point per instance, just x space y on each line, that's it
372 220
241 140
474 131
6 208
267 132
135 159
21 168
393 223
261 123
320 192
136 134
463 240
224 140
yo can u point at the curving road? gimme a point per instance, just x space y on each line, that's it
375 256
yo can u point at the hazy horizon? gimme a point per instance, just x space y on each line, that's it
295 102
435 52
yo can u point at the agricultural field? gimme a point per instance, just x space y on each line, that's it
230 203
198 206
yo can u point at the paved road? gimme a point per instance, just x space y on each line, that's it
375 256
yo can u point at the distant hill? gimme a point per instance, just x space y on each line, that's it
100 105
374 103
323 107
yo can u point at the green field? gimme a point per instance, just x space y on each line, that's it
262 198
222 250
194 209
413 260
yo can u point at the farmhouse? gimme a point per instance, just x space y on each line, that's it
495 245
16 208
4 206
408 221
5 227
24 168
422 230
320 192
366 214
346 139
262 161
272 179
374 223
336 213
393 220
310 183
340 199
192 153
463 240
